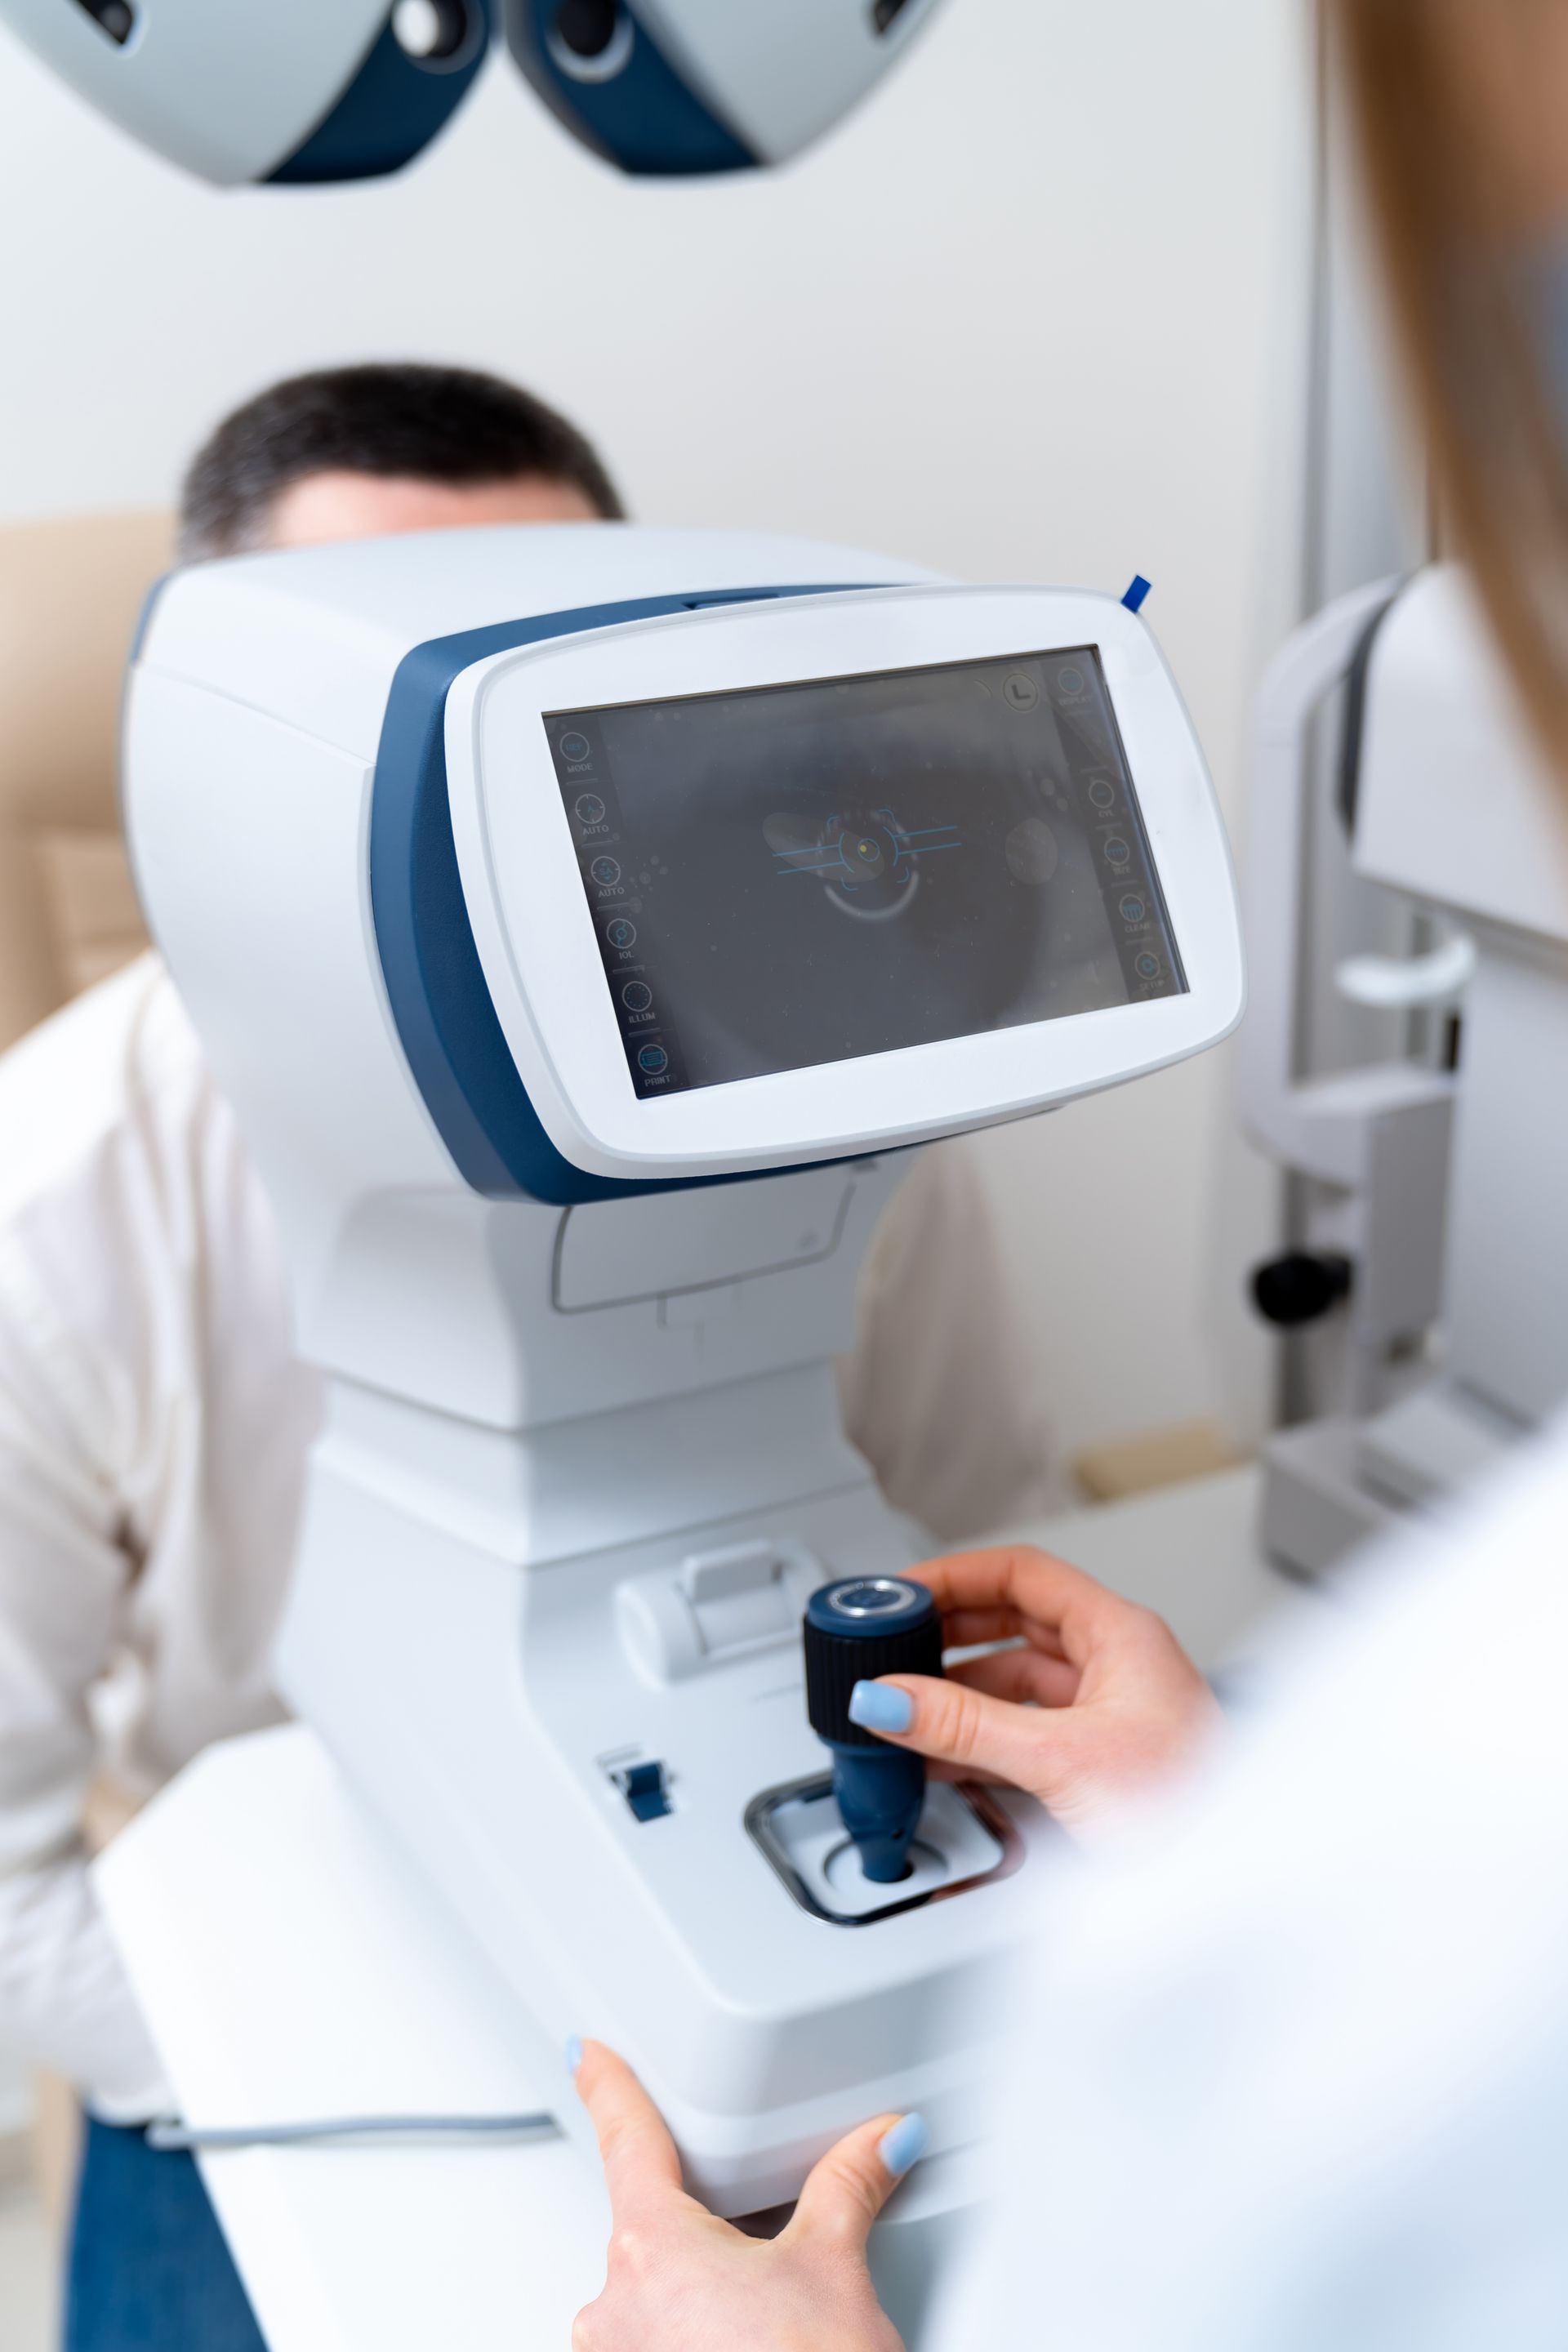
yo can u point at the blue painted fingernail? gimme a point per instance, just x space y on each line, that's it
905 2144
877 1706
573 2054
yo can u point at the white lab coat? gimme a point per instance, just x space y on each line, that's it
153 1430
1292 2058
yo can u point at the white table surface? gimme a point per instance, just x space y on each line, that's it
291 1969
1190 1551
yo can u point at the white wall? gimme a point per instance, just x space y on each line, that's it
1038 312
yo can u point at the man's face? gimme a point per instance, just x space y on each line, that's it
323 507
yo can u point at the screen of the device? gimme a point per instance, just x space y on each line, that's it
813 872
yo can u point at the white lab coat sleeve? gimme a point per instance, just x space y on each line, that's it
1292 2062
64 1574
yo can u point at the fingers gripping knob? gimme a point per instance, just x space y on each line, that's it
881 1707
856 1629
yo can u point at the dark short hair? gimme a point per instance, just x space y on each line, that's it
436 424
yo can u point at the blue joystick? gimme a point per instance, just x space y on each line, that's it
855 1631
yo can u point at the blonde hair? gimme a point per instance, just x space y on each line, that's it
1462 111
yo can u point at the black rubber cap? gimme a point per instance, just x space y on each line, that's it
117 18
588 27
1301 1288
859 1628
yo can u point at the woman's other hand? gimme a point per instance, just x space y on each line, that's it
680 2279
1099 1704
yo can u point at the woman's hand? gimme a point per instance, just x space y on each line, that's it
682 2281
1100 1702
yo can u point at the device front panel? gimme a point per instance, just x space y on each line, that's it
772 883
802 875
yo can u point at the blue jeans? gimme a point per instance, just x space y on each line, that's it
148 2271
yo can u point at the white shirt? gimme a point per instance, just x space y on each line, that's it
1294 2059
153 1430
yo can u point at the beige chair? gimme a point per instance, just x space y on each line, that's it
70 593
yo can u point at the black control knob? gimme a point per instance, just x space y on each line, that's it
857 1631
1301 1288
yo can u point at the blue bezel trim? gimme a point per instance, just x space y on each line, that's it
436 985
387 114
646 118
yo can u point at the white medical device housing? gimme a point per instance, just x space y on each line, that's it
300 91
687 86
292 91
584 923
1437 1180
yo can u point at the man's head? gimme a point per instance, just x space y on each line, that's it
357 452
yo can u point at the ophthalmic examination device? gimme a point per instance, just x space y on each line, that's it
588 925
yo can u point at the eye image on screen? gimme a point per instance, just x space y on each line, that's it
817 873
864 859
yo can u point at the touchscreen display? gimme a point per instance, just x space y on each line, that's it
813 872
